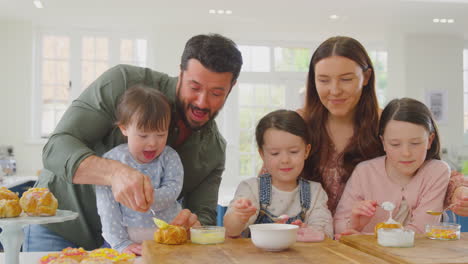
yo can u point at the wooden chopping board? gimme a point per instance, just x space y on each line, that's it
243 251
424 251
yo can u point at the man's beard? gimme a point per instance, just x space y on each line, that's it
182 107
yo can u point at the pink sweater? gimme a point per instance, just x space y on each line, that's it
369 181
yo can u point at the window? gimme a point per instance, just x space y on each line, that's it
379 60
55 80
68 62
272 78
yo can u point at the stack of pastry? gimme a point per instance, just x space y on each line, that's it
106 254
169 234
9 203
79 255
68 255
38 202
64 261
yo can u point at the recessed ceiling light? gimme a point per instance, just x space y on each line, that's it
220 11
334 17
38 4
443 20
435 20
450 21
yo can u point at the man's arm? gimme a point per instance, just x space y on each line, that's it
204 199
69 152
122 178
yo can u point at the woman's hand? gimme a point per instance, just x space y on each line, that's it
460 198
243 209
361 214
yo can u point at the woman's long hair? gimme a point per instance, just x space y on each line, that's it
364 143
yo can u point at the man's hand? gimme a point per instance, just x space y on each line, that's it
361 214
460 198
133 248
243 209
131 187
186 219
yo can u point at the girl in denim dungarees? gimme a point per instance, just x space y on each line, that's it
282 139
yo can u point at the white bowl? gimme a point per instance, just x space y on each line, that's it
395 237
273 237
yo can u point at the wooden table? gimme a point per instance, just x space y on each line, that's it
243 251
424 251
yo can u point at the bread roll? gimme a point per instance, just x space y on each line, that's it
113 255
9 208
49 258
77 254
96 260
171 235
9 203
39 202
62 260
6 194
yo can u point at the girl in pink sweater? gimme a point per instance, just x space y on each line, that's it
410 175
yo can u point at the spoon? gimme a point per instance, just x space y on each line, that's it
437 212
280 218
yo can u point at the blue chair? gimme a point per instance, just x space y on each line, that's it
463 221
20 189
221 210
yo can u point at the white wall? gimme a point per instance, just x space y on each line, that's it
416 63
435 62
15 98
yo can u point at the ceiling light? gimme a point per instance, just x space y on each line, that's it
435 20
450 21
443 20
38 4
220 11
334 17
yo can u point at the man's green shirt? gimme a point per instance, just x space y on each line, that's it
88 128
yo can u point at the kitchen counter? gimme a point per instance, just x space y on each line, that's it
12 181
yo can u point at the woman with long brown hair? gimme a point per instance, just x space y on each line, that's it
342 112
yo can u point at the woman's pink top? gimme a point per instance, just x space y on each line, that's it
369 181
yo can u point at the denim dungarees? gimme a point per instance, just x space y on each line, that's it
264 216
